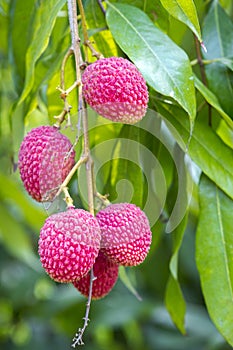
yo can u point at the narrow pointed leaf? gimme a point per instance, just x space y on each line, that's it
185 11
214 255
164 65
127 282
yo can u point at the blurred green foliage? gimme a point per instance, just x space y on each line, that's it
36 312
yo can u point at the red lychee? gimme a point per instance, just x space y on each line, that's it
105 273
115 89
45 159
125 233
69 244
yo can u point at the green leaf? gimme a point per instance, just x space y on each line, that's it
206 149
185 11
39 39
214 255
218 38
165 66
212 100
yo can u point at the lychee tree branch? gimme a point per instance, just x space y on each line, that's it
72 12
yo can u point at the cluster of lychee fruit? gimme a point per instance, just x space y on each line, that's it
73 242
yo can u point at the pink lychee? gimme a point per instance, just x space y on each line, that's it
115 89
105 273
45 159
69 244
125 233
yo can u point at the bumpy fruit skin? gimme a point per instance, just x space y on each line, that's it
125 233
106 274
69 244
115 89
45 159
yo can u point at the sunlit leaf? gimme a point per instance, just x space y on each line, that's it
39 39
185 11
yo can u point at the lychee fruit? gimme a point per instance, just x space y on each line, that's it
125 233
105 273
69 243
115 89
45 159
